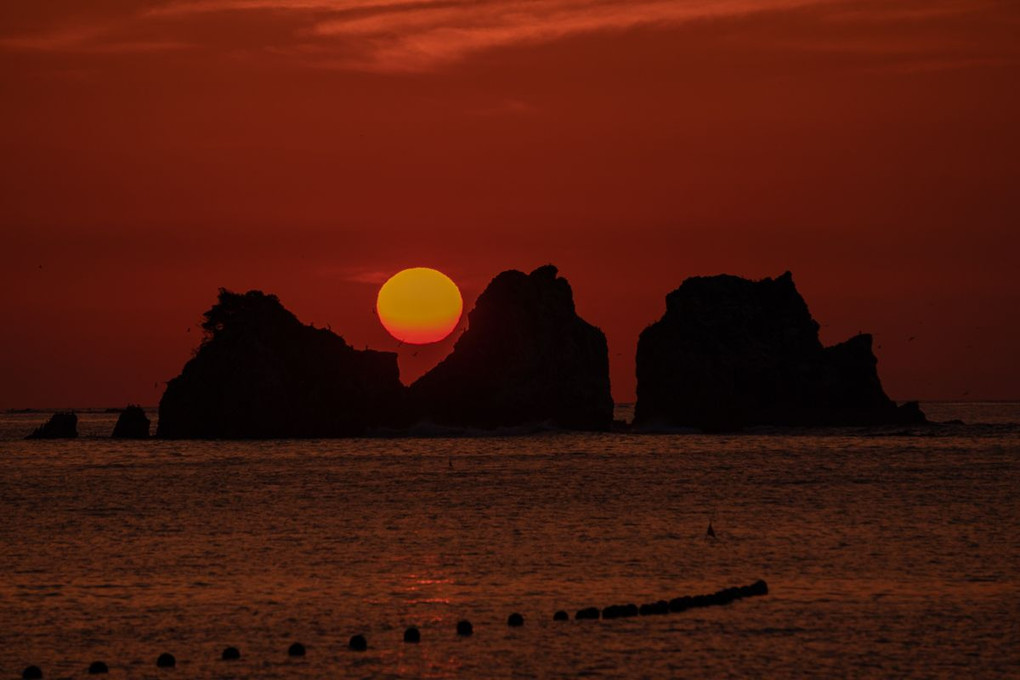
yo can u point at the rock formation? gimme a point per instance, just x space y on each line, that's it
132 424
62 425
526 358
260 373
730 353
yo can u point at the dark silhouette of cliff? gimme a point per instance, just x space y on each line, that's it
730 353
526 358
261 373
132 424
61 425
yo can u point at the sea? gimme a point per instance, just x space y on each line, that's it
888 552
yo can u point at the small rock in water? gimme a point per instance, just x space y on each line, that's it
412 635
358 643
465 628
231 654
587 613
132 424
515 620
98 668
166 660
561 616
31 673
296 649
62 425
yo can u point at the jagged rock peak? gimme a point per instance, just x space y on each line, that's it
525 358
260 373
730 352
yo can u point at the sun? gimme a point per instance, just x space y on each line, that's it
419 306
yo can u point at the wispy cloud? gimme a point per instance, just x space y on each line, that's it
427 35
392 35
108 38
422 35
191 7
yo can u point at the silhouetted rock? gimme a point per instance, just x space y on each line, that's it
132 424
260 373
62 425
31 673
525 358
515 620
98 668
465 628
587 613
166 660
731 353
561 616
296 649
231 654
412 635
358 643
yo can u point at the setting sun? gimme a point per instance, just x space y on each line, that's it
419 306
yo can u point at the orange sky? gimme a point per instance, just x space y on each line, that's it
156 150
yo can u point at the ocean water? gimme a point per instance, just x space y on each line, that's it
891 552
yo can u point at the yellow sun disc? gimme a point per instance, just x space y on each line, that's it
419 305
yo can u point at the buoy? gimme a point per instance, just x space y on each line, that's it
515 620
98 668
358 643
653 608
680 604
231 654
561 616
587 613
412 635
31 673
296 649
166 660
465 628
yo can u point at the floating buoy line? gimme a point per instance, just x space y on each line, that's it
464 628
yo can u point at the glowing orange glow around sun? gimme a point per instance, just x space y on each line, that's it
419 305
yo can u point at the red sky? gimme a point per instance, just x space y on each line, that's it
154 151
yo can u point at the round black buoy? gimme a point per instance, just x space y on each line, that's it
412 635
31 673
358 643
587 613
515 620
296 649
166 660
679 604
98 668
561 616
231 654
465 628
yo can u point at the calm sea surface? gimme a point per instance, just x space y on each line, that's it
889 553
